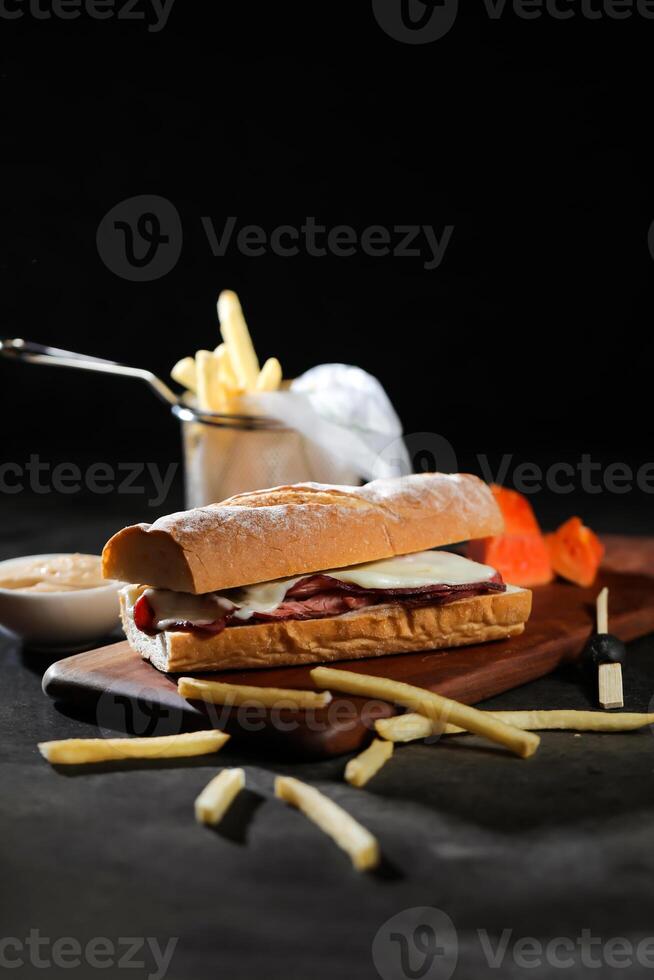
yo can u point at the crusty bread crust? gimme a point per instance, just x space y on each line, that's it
295 530
370 632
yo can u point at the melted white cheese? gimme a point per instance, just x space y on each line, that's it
415 571
170 607
406 572
262 598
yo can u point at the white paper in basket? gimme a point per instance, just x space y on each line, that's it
345 411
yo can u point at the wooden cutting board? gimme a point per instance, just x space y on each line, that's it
128 694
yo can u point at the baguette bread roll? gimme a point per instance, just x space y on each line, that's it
370 632
295 530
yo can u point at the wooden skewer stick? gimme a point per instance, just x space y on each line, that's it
603 611
609 674
610 686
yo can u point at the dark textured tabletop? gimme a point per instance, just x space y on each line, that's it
531 868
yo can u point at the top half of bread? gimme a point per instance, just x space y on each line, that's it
295 530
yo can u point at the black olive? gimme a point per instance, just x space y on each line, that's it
603 648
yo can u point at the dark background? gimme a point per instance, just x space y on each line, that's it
531 137
533 338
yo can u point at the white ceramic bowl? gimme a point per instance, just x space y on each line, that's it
51 619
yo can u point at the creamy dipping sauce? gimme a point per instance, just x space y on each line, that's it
61 573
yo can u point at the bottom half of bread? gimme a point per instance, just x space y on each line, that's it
370 632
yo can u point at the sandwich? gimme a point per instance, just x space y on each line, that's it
311 573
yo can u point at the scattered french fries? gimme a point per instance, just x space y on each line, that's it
344 830
79 751
433 706
217 796
411 726
361 769
217 378
217 692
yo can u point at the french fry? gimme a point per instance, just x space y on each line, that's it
218 377
210 393
217 796
228 399
237 338
270 376
216 692
433 706
360 770
226 369
77 751
344 830
411 726
184 373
